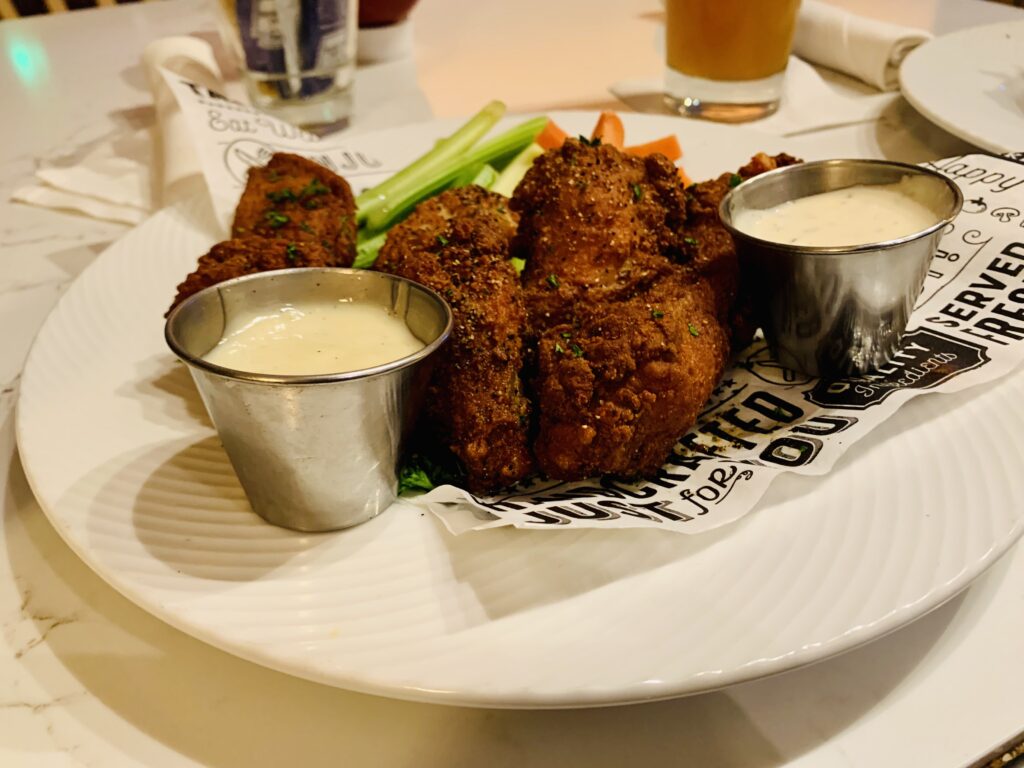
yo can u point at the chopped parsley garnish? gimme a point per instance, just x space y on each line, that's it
442 240
552 280
638 193
281 196
306 228
291 252
577 350
594 142
273 176
735 180
694 330
314 188
558 348
657 314
565 335
690 240
276 219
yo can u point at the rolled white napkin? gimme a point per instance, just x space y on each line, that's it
866 49
193 59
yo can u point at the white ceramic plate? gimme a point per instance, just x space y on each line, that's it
116 446
972 84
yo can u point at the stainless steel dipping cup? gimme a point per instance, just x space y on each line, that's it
313 453
836 311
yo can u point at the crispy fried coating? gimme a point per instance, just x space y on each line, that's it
710 249
628 335
296 199
458 244
246 256
596 226
617 388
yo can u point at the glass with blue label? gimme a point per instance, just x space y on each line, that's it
298 57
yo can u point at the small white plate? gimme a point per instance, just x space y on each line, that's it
971 83
116 445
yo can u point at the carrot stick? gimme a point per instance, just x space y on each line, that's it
666 145
551 136
609 130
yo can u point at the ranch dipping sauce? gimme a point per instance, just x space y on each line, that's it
856 215
312 339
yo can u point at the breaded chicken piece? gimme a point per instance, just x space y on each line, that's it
629 340
710 249
458 244
596 225
620 386
298 200
246 256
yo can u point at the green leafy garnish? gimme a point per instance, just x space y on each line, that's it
638 193
735 180
420 472
414 479
577 350
442 240
690 240
552 280
291 252
314 188
694 330
276 219
558 348
657 314
595 142
281 196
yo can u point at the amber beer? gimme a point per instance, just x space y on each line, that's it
727 58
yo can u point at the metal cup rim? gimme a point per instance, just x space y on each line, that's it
320 378
841 250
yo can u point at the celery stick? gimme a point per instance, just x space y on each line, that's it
515 170
483 176
402 198
467 176
431 162
367 249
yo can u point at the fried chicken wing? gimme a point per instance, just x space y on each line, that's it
595 226
628 333
246 256
618 387
710 249
296 199
458 244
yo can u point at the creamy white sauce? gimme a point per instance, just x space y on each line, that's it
853 216
314 339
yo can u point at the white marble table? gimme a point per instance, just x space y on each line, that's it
87 678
